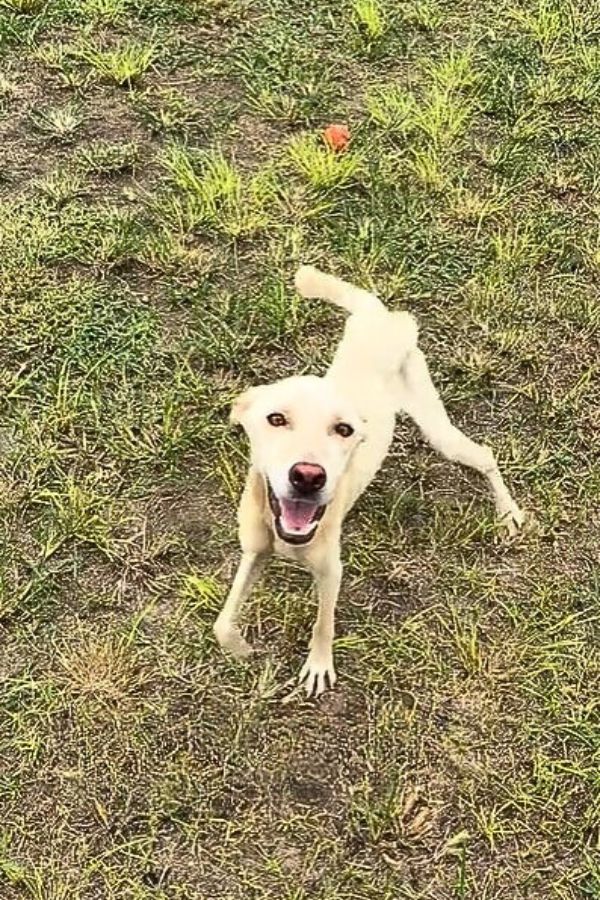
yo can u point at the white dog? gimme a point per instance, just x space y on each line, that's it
316 443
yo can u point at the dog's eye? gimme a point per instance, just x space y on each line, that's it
277 420
344 430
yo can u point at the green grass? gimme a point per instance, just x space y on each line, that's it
162 174
26 7
124 65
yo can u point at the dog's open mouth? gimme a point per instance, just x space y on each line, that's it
296 520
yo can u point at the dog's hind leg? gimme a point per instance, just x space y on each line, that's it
420 399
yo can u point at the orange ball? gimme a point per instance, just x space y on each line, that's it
337 137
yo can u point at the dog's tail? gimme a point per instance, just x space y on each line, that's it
311 282
375 334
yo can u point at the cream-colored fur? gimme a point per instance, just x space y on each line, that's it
377 372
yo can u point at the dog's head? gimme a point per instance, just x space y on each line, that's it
302 434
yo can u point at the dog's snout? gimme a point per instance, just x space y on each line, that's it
307 478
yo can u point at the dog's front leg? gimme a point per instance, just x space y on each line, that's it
318 669
226 627
256 543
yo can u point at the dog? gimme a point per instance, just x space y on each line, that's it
317 442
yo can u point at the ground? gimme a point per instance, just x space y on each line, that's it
161 176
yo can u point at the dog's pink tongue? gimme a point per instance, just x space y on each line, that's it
296 515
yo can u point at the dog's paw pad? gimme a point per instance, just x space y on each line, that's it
317 674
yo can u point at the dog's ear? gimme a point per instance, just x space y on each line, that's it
241 405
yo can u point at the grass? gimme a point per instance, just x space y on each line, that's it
163 173
322 167
26 7
59 123
124 65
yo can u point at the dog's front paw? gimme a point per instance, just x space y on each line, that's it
231 640
511 518
317 673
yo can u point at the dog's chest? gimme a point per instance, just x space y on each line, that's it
296 554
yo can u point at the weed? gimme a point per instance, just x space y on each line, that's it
391 108
104 11
165 110
369 20
442 118
285 79
59 123
99 671
217 195
25 7
124 65
322 167
428 167
545 22
424 15
60 188
105 158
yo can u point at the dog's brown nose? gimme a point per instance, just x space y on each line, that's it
307 478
